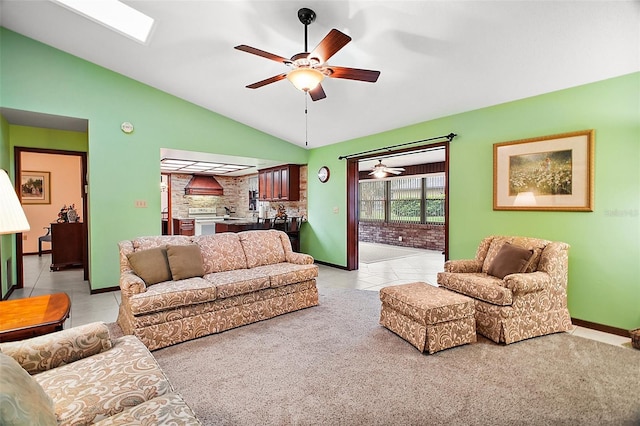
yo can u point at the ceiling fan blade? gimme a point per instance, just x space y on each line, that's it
262 53
394 169
354 74
329 45
267 81
395 172
317 93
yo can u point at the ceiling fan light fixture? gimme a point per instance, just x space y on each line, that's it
305 79
380 173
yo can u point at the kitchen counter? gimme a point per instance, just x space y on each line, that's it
246 224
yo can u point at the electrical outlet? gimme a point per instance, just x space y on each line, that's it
336 210
141 204
24 237
399 238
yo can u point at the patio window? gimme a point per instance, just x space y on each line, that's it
414 199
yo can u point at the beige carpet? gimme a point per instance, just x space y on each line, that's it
333 364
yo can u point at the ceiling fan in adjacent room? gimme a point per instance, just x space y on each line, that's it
308 69
380 170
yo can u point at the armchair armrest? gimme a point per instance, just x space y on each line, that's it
528 283
298 258
62 347
131 284
463 266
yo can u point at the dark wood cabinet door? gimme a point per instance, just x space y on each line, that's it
184 227
284 184
67 245
262 185
277 184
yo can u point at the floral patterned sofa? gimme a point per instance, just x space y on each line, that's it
519 285
177 288
82 376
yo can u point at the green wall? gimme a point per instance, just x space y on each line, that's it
6 241
122 168
604 271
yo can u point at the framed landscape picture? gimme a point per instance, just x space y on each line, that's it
35 187
546 173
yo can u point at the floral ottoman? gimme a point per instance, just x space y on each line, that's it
430 318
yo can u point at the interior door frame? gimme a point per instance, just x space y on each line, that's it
18 150
353 207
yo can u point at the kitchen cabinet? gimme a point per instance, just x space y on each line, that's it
184 227
67 245
281 183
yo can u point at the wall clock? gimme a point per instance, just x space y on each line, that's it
126 127
323 174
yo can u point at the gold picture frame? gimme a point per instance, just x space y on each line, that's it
35 187
551 173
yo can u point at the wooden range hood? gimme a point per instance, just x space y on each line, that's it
203 185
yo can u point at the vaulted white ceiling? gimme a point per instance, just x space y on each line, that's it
436 58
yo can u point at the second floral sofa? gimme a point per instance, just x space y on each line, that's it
177 288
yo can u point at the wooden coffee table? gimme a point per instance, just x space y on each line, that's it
33 316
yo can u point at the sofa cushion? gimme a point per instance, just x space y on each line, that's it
64 347
535 244
22 399
281 274
168 409
172 294
221 252
242 281
262 247
105 384
185 261
477 285
151 265
510 259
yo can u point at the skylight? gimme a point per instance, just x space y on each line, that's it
115 15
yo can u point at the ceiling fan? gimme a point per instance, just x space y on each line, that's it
380 170
308 69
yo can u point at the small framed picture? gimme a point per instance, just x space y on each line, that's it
546 173
35 187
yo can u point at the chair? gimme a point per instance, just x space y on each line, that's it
45 238
293 232
528 299
266 224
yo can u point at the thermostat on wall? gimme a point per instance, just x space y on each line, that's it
126 127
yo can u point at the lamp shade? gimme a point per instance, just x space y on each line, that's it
12 218
305 79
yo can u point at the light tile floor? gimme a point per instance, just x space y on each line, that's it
424 265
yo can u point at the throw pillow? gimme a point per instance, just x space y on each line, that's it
185 261
510 259
22 399
151 265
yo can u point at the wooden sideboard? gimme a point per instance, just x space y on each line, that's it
67 245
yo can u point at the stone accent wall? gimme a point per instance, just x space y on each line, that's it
429 237
236 197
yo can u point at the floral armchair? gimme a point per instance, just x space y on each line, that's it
519 285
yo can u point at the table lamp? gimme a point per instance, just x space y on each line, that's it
12 217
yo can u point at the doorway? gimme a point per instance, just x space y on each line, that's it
64 184
353 207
